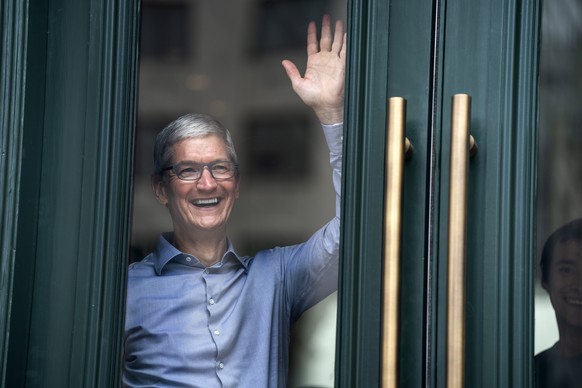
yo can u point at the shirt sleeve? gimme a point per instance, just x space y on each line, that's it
311 268
334 137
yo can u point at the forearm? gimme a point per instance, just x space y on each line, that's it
311 267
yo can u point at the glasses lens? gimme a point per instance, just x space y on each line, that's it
193 171
188 171
222 170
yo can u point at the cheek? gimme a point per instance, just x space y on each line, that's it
175 197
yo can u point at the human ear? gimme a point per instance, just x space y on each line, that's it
237 189
159 189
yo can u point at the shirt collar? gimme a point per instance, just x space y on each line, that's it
165 252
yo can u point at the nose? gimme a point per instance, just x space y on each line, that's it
206 181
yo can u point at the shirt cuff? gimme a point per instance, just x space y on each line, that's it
334 136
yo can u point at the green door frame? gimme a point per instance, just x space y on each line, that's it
68 76
489 50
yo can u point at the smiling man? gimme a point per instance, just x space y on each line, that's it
561 265
199 186
198 314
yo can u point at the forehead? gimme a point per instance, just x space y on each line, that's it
200 149
570 250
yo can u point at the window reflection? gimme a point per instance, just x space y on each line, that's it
561 277
165 31
206 56
559 185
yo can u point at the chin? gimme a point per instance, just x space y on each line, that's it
211 227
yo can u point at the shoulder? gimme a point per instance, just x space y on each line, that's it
265 258
542 359
144 268
271 261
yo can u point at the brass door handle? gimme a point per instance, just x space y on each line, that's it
462 147
398 148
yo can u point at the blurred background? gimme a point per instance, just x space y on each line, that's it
223 58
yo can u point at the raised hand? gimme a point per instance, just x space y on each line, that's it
322 86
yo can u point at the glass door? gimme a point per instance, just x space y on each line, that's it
558 285
427 52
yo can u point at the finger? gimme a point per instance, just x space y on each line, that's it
294 75
312 45
338 38
326 37
344 48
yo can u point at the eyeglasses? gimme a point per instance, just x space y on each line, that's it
190 171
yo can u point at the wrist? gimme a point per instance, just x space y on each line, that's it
330 116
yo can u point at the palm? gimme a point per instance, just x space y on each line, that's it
323 82
322 86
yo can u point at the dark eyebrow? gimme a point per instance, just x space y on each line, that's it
561 261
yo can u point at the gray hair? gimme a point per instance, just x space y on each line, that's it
189 126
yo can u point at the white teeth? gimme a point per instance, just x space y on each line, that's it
574 301
210 201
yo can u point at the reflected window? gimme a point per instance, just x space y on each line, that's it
281 23
277 145
165 33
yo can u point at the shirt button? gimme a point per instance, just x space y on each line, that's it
211 301
217 332
188 259
220 365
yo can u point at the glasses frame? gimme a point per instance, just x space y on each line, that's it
175 169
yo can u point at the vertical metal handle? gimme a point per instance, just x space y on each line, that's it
462 146
396 149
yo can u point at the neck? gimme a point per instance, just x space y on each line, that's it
570 343
209 248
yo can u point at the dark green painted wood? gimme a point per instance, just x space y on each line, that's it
73 219
390 56
410 70
486 49
358 332
13 47
491 51
30 123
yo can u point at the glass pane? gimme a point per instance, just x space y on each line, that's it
223 58
558 309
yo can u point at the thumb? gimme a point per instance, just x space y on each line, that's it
292 71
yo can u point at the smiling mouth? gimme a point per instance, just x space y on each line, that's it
574 301
206 202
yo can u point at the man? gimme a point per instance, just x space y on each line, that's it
561 265
199 315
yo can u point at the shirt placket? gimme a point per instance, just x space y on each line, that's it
212 306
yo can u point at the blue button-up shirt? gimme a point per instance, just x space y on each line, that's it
226 325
